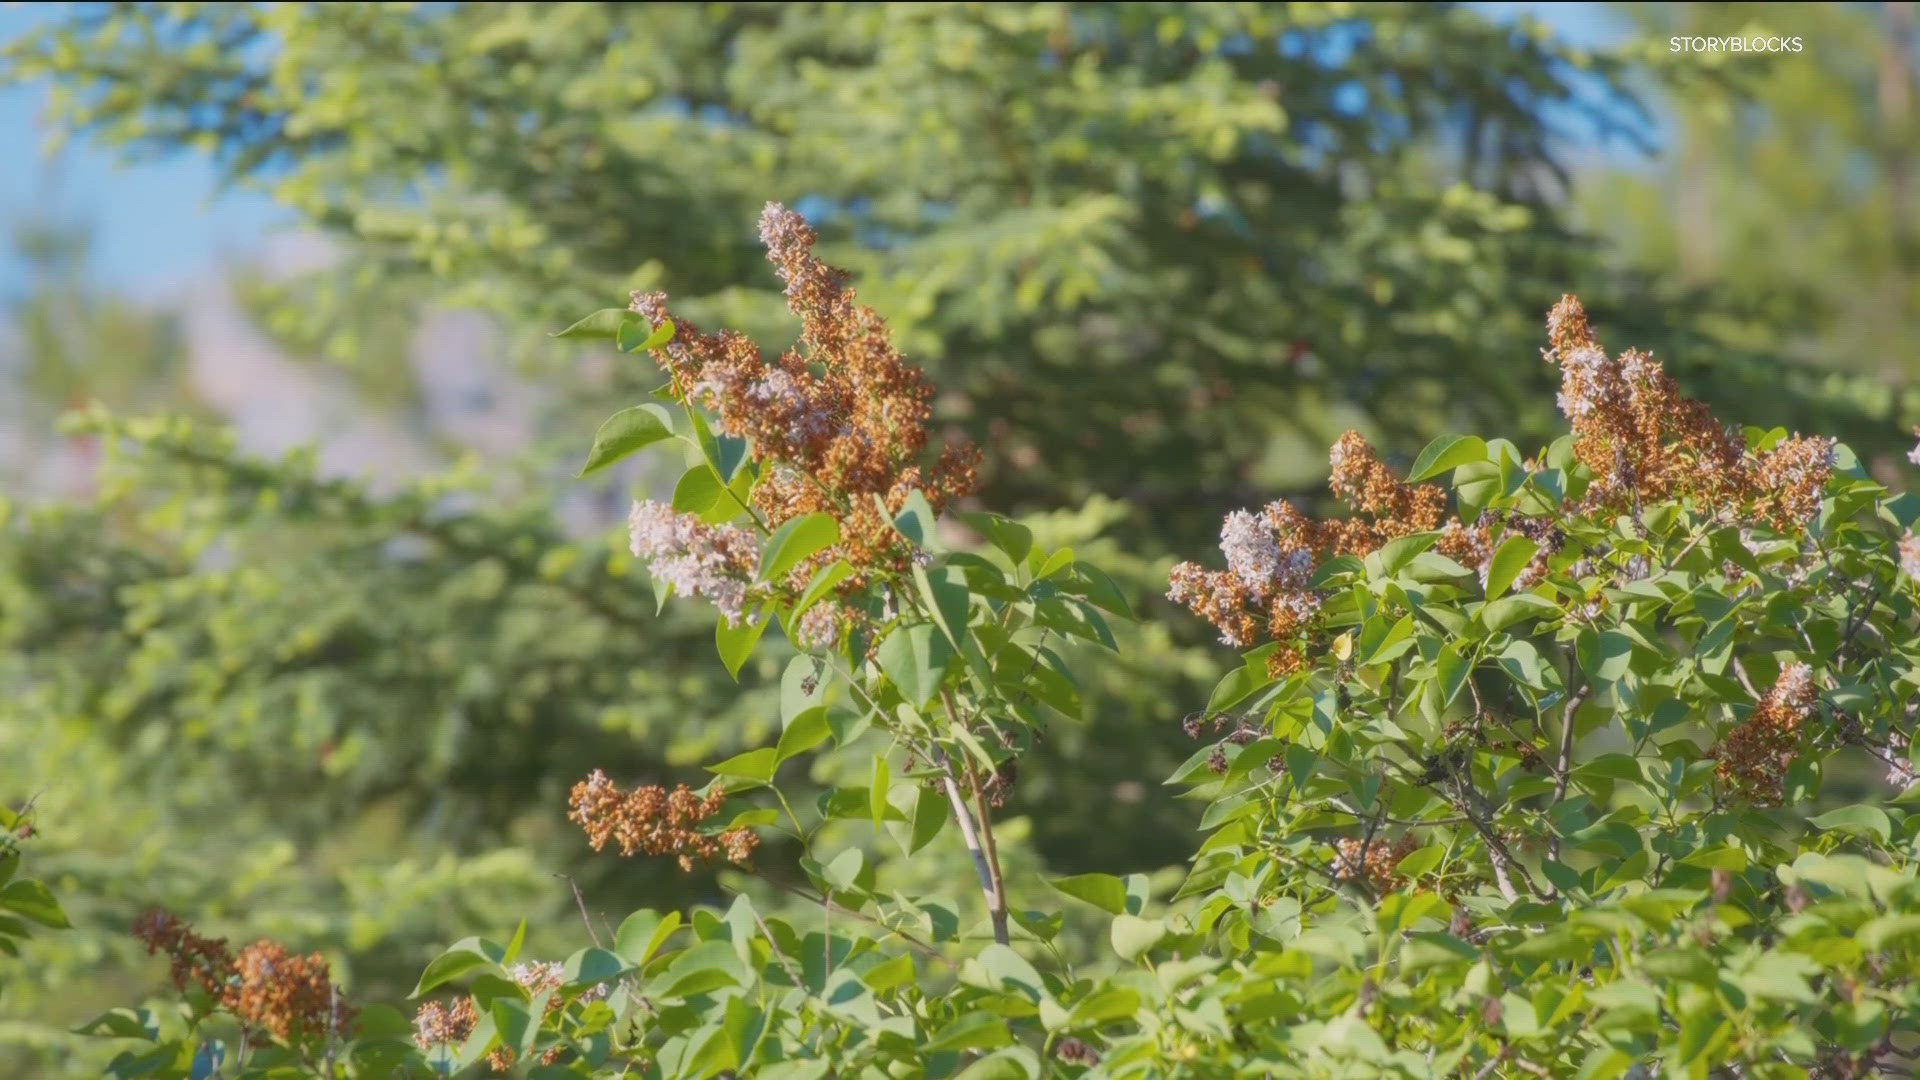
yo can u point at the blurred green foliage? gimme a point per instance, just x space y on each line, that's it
1156 256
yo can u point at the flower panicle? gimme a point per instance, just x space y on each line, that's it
838 422
1645 441
654 821
1265 591
1752 759
267 987
450 1023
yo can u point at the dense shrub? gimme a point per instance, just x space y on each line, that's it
1591 761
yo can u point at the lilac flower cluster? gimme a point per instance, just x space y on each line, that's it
712 562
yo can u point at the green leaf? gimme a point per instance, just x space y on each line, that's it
1499 614
735 643
1522 660
592 966
794 542
1860 820
514 1020
1514 555
724 454
1006 534
1888 932
1132 936
974 1031
804 732
625 432
1720 857
1012 1063
744 1025
1446 452
635 335
1420 861
1396 555
877 790
1605 657
460 958
122 1024
915 521
518 939
803 685
1476 483
915 658
31 900
605 323
1104 891
1054 563
1093 583
929 816
1609 767
945 592
889 974
479 1042
1104 1007
642 933
1006 970
757 766
1381 642
1236 687
1453 669
823 582
698 491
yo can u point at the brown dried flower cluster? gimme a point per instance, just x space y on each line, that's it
1473 546
1645 441
269 989
1752 759
1270 557
438 1023
652 820
285 994
1373 862
837 421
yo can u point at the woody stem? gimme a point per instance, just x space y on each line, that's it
982 866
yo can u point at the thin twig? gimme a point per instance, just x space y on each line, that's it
912 942
773 946
582 902
1500 858
1563 764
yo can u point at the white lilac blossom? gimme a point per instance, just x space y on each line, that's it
1900 771
1296 566
1253 553
1300 604
1910 556
1589 361
539 975
1636 568
1794 686
819 627
1338 454
712 562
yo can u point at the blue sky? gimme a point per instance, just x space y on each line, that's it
159 223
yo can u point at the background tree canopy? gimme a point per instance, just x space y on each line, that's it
1156 256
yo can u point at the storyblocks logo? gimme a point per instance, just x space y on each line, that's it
1754 43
